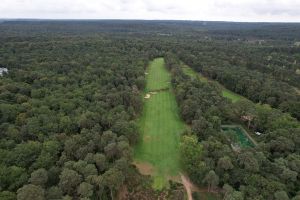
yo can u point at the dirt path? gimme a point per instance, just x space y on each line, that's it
189 187
250 137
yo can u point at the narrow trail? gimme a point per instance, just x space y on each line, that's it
189 187
250 137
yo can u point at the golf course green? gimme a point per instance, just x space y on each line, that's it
160 126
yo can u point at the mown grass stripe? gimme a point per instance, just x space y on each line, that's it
160 126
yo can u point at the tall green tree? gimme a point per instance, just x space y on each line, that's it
212 180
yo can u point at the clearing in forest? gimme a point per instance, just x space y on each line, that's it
160 127
225 92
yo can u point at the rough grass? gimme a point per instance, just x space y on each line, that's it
225 92
204 195
190 72
212 197
231 95
160 127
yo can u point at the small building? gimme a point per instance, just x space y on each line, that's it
258 133
3 70
246 118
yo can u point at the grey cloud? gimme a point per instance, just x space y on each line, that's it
260 7
237 10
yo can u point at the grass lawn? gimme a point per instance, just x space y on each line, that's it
160 127
225 92
212 197
158 77
231 95
203 195
190 72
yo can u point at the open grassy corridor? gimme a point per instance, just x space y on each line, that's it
160 126
225 92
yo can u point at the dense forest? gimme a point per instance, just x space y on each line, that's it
268 171
270 75
73 92
67 110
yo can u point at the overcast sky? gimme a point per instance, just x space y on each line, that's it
221 10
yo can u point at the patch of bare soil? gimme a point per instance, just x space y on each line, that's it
146 138
144 168
123 193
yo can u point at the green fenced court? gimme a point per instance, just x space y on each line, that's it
240 135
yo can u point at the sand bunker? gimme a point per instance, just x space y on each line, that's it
147 96
153 93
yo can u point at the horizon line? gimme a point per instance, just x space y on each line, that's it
131 19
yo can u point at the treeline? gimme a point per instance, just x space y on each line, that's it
281 62
67 111
247 72
267 171
225 31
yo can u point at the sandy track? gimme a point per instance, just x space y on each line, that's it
188 186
